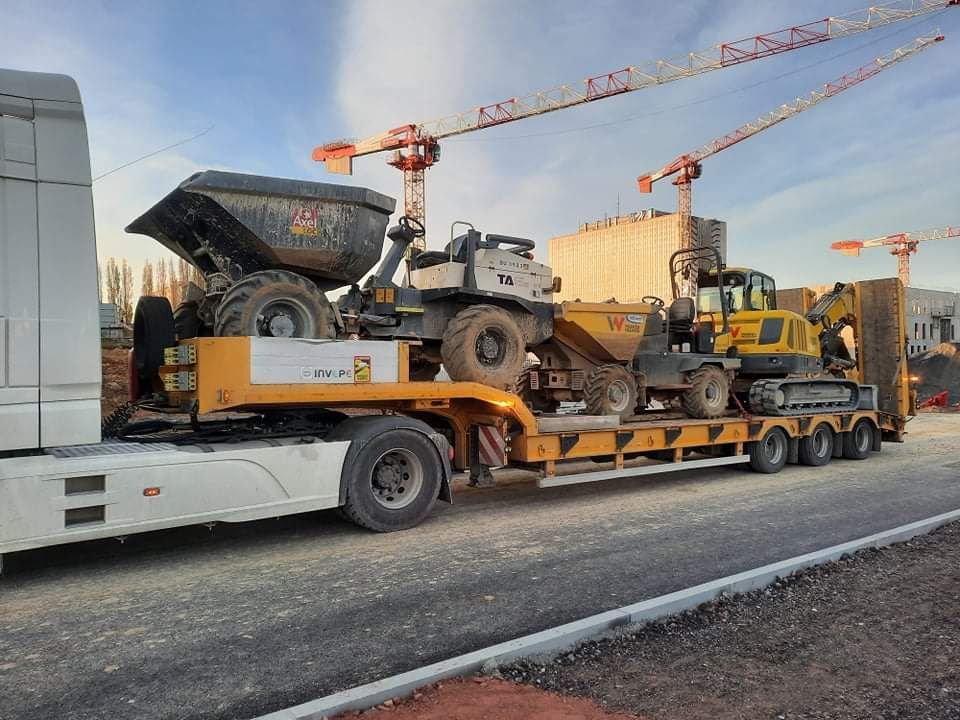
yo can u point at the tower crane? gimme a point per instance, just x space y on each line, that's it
687 167
415 146
903 245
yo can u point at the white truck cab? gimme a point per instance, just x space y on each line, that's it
49 329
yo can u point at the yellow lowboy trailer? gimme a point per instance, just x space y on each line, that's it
488 428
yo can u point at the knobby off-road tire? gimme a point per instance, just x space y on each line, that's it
186 321
536 400
858 441
708 394
274 303
483 344
610 390
817 448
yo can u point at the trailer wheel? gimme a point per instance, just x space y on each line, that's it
483 344
610 390
393 482
274 303
769 453
857 442
708 394
817 448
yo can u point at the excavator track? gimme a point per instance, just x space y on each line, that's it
798 396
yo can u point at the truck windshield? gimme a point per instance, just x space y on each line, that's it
708 294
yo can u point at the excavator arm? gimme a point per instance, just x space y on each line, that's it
834 311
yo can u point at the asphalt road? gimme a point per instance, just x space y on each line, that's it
247 619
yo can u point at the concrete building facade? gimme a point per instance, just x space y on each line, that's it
931 318
625 257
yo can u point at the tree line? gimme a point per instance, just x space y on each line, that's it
162 277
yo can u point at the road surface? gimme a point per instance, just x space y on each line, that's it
242 620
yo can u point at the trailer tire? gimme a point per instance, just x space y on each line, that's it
274 303
817 448
483 344
858 441
769 453
708 394
610 390
393 479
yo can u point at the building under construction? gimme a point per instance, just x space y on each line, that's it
626 257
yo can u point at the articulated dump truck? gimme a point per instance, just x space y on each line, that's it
246 425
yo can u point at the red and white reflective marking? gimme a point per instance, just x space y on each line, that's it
493 448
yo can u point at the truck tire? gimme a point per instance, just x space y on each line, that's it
392 480
858 441
483 344
274 303
536 400
153 330
817 448
708 394
769 453
610 390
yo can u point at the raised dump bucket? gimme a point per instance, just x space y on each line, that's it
238 224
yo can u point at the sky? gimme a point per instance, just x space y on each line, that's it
275 79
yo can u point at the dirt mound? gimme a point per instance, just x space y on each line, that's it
114 392
936 370
488 699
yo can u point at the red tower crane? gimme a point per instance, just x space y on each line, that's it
415 146
687 166
903 245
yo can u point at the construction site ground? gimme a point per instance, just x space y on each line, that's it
872 636
244 619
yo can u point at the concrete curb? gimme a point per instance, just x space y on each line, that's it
565 636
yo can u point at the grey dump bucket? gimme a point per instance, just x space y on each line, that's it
238 224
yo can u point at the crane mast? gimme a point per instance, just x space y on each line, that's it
415 146
902 245
687 167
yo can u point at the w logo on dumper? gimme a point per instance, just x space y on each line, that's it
629 323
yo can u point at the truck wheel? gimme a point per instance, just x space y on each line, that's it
610 390
393 482
483 344
708 393
536 400
857 442
769 453
817 448
274 303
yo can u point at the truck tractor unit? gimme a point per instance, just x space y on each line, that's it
269 249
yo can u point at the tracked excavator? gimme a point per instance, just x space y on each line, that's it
789 363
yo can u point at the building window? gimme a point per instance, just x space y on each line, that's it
916 331
923 330
952 330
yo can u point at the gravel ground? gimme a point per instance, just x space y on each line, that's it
873 636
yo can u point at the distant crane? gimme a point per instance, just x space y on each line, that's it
415 146
903 245
687 166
